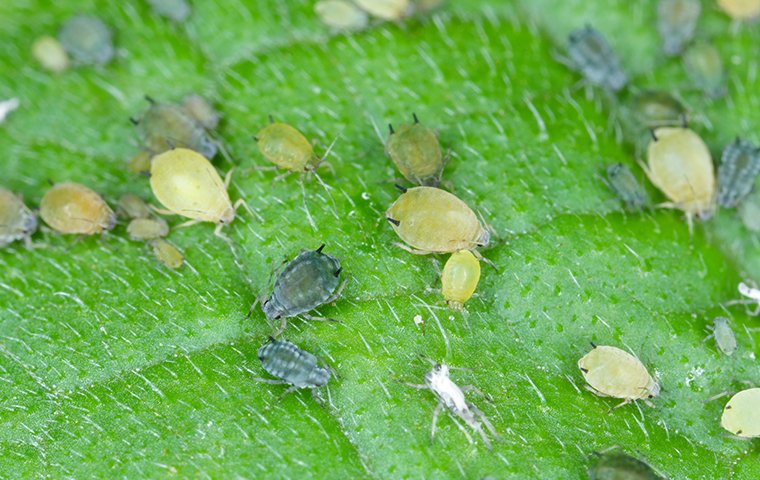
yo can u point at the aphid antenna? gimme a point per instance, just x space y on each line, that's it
651 132
329 149
390 129
134 121
271 118
400 188
414 116
150 99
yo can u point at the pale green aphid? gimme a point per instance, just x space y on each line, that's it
142 229
165 126
50 53
676 23
626 187
739 167
167 253
415 151
723 335
591 55
741 415
620 466
87 39
175 10
705 67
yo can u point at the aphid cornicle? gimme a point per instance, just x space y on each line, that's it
415 151
73 208
386 9
293 366
723 335
591 55
622 182
141 229
175 10
165 126
341 14
676 22
17 221
187 184
680 165
431 220
741 415
306 282
167 253
705 67
51 55
620 466
741 9
612 372
87 39
739 166
460 278
451 396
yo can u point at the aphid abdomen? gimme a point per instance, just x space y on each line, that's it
740 165
676 22
595 59
284 360
166 126
306 282
416 152
286 147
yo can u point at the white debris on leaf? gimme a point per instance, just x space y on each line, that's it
418 320
7 106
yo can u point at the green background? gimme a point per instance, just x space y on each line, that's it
112 365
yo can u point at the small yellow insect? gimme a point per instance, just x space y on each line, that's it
680 165
167 253
50 53
74 208
140 163
741 415
386 9
431 220
188 185
612 372
415 151
341 14
132 206
141 229
460 278
741 9
288 149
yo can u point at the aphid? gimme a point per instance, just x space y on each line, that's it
741 9
341 14
431 220
306 282
132 206
724 336
749 212
175 10
293 366
140 163
51 55
415 151
655 108
201 110
167 253
739 166
287 148
386 9
676 22
74 208
460 278
426 5
17 221
451 396
620 466
187 184
87 39
703 64
741 415
591 55
7 106
612 372
626 187
680 165
752 295
141 229
166 126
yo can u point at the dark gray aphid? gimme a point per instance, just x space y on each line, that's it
620 466
306 282
87 39
591 55
739 166
676 22
293 366
626 187
166 126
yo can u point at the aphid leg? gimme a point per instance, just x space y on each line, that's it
319 319
418 386
242 203
283 325
337 293
482 417
623 403
228 178
269 381
218 231
286 393
190 223
253 305
436 412
483 259
281 176
410 249
464 430
161 211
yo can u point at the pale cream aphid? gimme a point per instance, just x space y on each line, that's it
142 229
341 15
187 184
201 110
612 372
741 9
460 278
50 53
132 206
386 9
679 164
17 221
75 209
741 415
752 296
723 335
676 23
749 212
451 396
431 220
167 253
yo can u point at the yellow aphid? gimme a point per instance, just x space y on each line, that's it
741 415
74 208
386 9
50 53
741 9
188 185
17 221
201 110
132 206
167 253
460 278
680 165
612 372
286 147
341 14
140 163
141 229
431 220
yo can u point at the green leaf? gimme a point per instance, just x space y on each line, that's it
113 366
